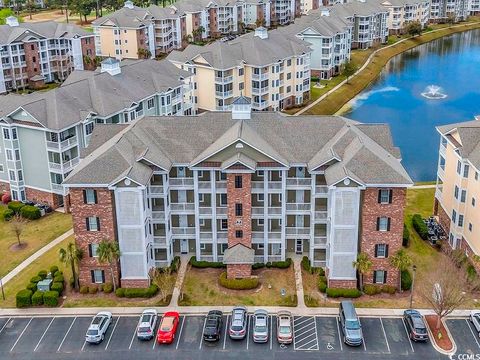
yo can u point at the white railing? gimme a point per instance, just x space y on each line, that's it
258 259
222 210
274 185
321 214
321 189
158 214
259 105
160 240
206 235
274 257
298 206
319 240
274 235
224 94
58 188
258 235
221 184
257 184
261 76
59 146
156 189
222 235
205 210
183 230
259 90
298 230
319 263
257 210
182 206
181 181
68 165
54 166
223 80
299 181
204 185
274 210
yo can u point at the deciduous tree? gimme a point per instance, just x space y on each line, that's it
413 28
349 69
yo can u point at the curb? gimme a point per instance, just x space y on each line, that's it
438 348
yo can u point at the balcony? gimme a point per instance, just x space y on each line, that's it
182 207
257 210
321 215
299 182
222 210
205 210
321 189
257 235
261 76
298 206
274 210
156 190
298 230
181 182
274 185
258 259
320 241
222 235
260 105
224 94
58 189
257 184
63 145
160 240
274 235
221 185
259 91
69 165
204 185
206 235
183 230
158 215
224 80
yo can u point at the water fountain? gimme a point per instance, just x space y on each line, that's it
434 92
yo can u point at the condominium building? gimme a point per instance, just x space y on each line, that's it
402 12
256 13
271 67
308 5
474 7
458 185
330 37
446 10
44 133
252 187
284 12
33 54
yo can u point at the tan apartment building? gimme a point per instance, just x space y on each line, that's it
402 12
270 67
458 185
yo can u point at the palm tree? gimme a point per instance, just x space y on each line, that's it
363 265
401 261
108 252
69 256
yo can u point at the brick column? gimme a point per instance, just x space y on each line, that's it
32 59
88 49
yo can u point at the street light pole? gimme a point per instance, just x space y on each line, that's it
413 283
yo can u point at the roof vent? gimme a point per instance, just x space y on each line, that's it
325 12
261 32
128 4
111 66
241 108
11 21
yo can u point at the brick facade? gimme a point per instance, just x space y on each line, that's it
32 59
343 284
443 217
136 283
88 49
104 209
239 271
213 23
371 210
4 188
42 197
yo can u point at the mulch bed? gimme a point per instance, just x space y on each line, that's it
440 336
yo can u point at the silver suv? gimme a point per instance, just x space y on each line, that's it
260 326
98 327
146 324
238 323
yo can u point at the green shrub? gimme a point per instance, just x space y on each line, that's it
322 284
83 289
35 279
238 284
141 292
406 280
8 214
50 298
58 287
389 289
120 292
53 270
32 286
321 271
280 264
42 274
24 298
30 212
420 226
471 272
315 79
306 264
406 236
92 289
15 206
175 265
37 298
59 278
107 288
205 264
258 266
346 293
371 289
56 273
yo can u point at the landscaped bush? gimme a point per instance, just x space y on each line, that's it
389 289
371 289
42 274
37 298
321 271
471 272
59 278
346 293
280 264
58 287
35 279
15 206
306 264
420 226
322 283
406 236
6 198
56 273
141 292
175 264
406 280
7 214
30 212
92 289
107 288
53 270
238 284
205 264
50 298
24 298
83 289
257 266
120 292
314 79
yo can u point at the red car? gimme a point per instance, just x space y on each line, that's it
168 327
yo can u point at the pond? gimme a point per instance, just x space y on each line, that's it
433 84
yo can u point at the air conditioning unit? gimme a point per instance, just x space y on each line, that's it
238 222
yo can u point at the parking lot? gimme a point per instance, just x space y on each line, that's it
314 337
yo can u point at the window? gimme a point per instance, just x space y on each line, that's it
381 250
12 176
93 250
93 223
201 198
463 196
460 220
240 72
224 224
384 196
239 234
241 86
6 134
201 222
89 196
260 197
150 103
473 201
238 181
260 173
379 277
1 168
289 62
14 133
470 227
383 223
455 192
466 168
459 167
9 154
476 175
203 246
98 276
223 199
89 128
20 175
238 210
454 216
260 222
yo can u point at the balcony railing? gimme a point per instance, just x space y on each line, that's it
258 235
204 185
183 230
274 210
221 184
158 215
222 210
274 185
160 240
298 206
258 258
321 189
63 145
156 189
206 234
182 206
320 240
257 210
205 210
321 214
298 230
69 165
274 235
58 189
259 91
181 181
222 235
261 76
224 94
224 80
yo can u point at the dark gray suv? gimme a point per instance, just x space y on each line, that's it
350 324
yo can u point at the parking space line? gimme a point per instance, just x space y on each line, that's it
303 339
203 331
310 348
21 334
339 336
408 336
226 330
248 329
316 333
66 334
271 331
113 330
83 346
44 333
301 317
385 334
303 327
133 337
154 343
180 333
3 327
473 334
300 333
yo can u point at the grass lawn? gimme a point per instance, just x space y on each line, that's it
200 287
36 234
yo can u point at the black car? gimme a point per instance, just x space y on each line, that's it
213 326
416 327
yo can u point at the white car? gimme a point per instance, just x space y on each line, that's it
98 327
146 324
475 319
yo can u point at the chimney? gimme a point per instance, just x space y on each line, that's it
111 66
241 108
128 4
261 32
11 21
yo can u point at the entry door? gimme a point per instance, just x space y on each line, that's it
299 197
184 246
299 221
182 196
298 247
300 172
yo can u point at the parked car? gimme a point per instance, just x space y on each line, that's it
168 327
213 326
416 328
284 327
475 320
238 323
260 326
146 324
350 324
98 327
